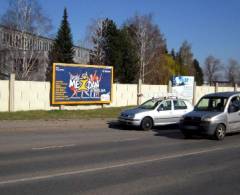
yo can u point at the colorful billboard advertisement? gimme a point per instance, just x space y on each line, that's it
81 84
182 86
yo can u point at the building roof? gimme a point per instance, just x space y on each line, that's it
40 36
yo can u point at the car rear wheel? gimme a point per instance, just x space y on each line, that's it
220 132
147 123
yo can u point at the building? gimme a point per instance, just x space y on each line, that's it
18 48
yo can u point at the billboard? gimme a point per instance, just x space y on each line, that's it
182 86
81 84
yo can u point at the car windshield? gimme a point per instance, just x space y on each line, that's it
211 104
150 104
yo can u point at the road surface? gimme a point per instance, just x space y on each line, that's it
114 160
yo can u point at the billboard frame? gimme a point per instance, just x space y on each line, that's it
79 102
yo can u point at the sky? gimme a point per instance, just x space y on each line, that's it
212 27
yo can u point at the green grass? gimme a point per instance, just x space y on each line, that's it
62 114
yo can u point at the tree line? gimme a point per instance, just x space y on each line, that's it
137 49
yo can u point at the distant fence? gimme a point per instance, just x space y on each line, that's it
33 95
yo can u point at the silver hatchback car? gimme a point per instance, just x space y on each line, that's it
156 111
215 114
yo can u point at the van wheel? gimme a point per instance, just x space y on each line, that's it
147 123
220 132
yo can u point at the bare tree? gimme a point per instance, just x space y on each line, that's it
24 22
96 39
149 40
233 71
186 53
212 68
186 59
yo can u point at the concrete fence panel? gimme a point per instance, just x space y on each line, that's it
150 91
4 96
202 90
124 95
223 89
32 95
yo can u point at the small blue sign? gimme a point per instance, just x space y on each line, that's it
182 80
182 86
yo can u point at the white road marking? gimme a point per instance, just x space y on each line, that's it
53 147
131 163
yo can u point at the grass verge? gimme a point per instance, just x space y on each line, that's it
62 114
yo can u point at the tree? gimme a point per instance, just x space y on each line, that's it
62 50
198 74
26 16
97 41
25 22
185 59
127 69
233 71
120 52
114 47
150 44
173 54
212 67
106 45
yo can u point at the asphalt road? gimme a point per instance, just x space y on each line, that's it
117 161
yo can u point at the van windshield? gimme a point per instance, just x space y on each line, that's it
150 104
211 104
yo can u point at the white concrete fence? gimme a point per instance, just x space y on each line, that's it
32 95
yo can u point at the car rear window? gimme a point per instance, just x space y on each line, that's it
179 105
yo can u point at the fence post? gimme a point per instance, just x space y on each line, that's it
139 92
11 92
170 86
235 87
61 107
194 93
216 87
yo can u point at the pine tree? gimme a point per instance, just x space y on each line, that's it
120 52
127 69
198 72
62 50
112 46
173 54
